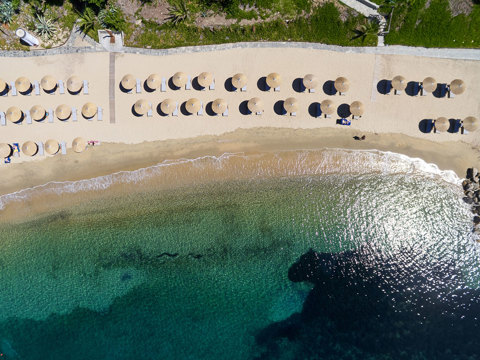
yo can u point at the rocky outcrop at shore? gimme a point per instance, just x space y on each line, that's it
471 188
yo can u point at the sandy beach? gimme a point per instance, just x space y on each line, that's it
390 123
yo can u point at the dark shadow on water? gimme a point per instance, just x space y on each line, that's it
377 306
297 85
329 87
343 110
243 108
278 108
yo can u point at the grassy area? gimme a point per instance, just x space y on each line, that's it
323 26
434 26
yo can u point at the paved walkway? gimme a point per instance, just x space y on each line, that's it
362 8
111 86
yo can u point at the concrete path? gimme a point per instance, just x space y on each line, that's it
362 7
111 85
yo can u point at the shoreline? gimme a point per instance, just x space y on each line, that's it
110 158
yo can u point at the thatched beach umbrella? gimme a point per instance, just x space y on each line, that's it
470 123
290 104
310 81
63 112
255 105
457 86
29 148
14 114
3 85
357 108
51 146
442 124
192 105
239 80
89 110
48 83
179 79
74 84
399 83
219 106
37 112
79 144
274 80
205 79
153 81
327 107
5 150
342 84
429 84
128 82
141 107
168 106
23 84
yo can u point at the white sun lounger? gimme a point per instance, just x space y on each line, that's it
188 85
50 115
259 112
277 89
293 114
311 90
163 87
40 148
200 112
28 117
397 92
85 87
225 113
175 112
244 88
74 114
451 95
150 111
2 119
99 114
36 87
341 93
212 85
139 86
63 146
14 89
61 88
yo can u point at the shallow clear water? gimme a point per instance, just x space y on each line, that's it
201 271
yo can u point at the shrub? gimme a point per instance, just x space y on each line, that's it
6 12
45 27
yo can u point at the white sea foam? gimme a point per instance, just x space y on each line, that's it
304 162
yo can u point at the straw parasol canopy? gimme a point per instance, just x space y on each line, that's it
141 107
14 114
48 83
429 84
51 146
74 84
274 80
219 106
399 83
239 80
342 84
255 104
3 85
192 105
442 124
470 123
290 104
128 82
179 79
205 79
37 112
22 84
168 106
153 81
5 150
89 110
63 112
327 107
457 86
29 148
357 108
310 81
79 144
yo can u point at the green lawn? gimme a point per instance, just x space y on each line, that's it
434 26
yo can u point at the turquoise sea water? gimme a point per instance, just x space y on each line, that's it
198 270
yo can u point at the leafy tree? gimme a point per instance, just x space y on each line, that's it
112 18
87 20
369 30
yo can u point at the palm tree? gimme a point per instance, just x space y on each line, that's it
370 29
87 20
178 12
